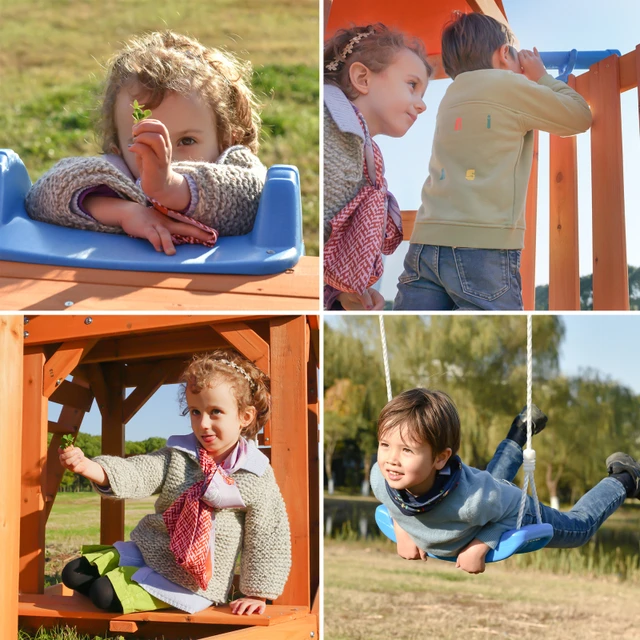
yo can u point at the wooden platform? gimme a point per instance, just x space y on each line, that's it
45 288
76 610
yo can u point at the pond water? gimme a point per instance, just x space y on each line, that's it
356 516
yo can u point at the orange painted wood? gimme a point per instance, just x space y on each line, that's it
34 456
636 60
564 267
313 438
112 511
528 258
156 344
244 339
98 384
63 328
302 629
41 287
77 607
408 223
11 336
63 362
290 452
630 70
122 626
610 272
73 395
139 396
137 372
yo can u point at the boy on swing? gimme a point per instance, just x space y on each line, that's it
440 505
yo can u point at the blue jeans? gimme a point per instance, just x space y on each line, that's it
448 278
570 528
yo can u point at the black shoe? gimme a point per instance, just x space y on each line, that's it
622 462
538 420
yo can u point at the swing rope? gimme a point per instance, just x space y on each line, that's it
529 455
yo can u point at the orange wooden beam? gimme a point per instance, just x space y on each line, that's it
34 457
73 395
11 338
63 362
139 396
290 447
528 258
610 271
243 338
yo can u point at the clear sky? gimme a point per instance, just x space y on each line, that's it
608 344
550 25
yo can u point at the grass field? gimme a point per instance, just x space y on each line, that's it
372 594
52 54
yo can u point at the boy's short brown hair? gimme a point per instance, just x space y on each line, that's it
469 41
424 416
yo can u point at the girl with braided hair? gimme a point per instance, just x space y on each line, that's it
375 79
218 499
179 168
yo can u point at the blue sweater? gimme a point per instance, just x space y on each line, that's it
480 507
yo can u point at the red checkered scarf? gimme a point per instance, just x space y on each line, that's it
363 230
180 217
189 521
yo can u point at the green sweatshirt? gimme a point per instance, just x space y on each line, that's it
482 152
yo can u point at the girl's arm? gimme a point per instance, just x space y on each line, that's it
266 550
73 458
229 190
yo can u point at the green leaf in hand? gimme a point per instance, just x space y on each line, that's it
67 441
139 112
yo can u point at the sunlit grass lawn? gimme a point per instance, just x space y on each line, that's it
51 67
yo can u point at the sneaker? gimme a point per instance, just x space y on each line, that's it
621 462
538 420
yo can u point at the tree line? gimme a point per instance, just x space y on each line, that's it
481 363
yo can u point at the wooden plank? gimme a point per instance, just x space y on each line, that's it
243 338
137 372
302 629
564 265
408 223
112 511
32 511
73 395
139 396
98 385
610 272
528 258
63 362
62 327
41 287
313 438
158 345
290 448
69 421
630 70
636 60
11 337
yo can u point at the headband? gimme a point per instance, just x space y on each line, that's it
333 65
241 371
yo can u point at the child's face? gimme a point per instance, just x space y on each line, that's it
393 98
190 123
408 464
215 419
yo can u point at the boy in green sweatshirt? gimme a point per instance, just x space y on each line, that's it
465 247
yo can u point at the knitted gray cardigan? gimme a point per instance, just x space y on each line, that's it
260 531
228 191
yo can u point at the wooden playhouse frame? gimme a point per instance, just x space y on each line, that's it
72 360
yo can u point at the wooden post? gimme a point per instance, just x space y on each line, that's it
528 259
564 265
314 472
112 511
11 341
34 455
610 271
290 452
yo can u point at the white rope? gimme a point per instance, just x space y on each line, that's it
385 358
529 455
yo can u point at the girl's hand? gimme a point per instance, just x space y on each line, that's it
471 558
371 300
531 63
247 606
152 147
73 458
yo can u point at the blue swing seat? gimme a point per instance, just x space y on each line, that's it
272 246
529 538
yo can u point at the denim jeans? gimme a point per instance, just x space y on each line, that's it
448 278
570 528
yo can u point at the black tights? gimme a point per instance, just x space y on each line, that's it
83 577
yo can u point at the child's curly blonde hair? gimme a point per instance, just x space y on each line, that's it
165 61
251 387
